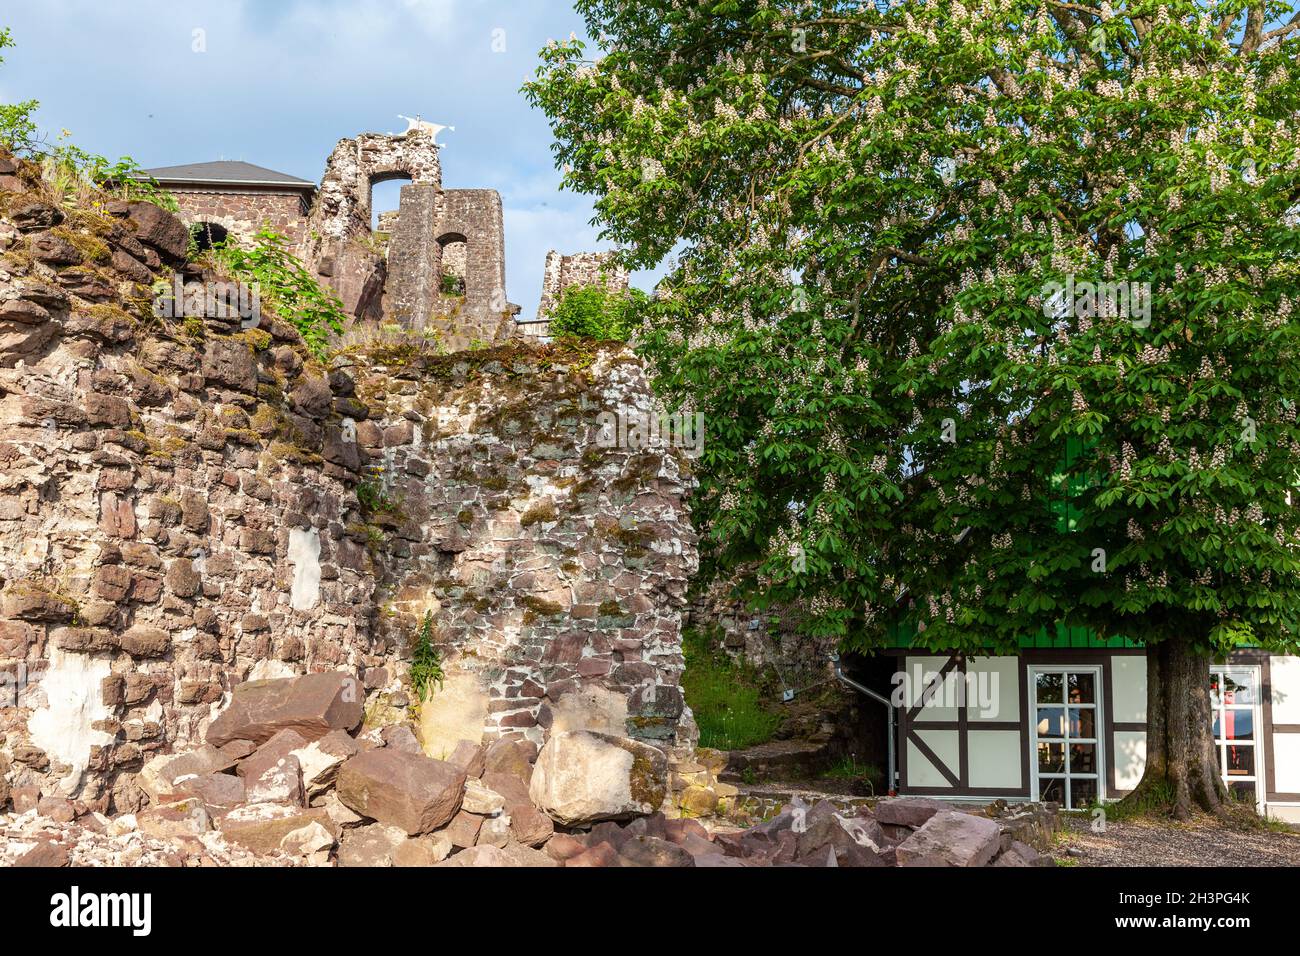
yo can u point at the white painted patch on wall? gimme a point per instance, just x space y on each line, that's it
74 701
271 670
304 552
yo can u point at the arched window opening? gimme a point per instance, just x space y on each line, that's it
454 263
208 234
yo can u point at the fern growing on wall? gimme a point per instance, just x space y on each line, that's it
426 662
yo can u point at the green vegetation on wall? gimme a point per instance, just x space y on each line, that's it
594 312
426 662
286 285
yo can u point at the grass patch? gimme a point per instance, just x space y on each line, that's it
848 768
726 697
1155 803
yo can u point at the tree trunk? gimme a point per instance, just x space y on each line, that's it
1182 768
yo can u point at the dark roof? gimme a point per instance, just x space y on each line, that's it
226 172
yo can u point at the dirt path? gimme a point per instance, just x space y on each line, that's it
1201 843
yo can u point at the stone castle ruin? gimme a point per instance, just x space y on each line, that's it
190 505
580 269
435 264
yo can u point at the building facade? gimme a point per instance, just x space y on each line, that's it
1065 720
228 198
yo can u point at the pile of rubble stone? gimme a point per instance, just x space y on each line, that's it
284 778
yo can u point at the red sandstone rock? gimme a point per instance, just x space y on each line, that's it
155 227
44 854
951 838
528 825
313 705
908 811
411 791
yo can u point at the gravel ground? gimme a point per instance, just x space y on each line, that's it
1200 843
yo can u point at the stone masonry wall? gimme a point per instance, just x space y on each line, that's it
179 513
336 237
244 214
429 222
580 269
342 206
413 260
175 508
555 568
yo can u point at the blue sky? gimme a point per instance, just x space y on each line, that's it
282 80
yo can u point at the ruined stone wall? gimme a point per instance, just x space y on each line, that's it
336 238
580 269
342 207
456 230
413 262
243 214
179 513
474 218
402 279
555 568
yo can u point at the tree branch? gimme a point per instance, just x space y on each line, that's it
1289 27
1254 34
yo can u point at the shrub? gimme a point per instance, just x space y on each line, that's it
594 312
452 284
286 285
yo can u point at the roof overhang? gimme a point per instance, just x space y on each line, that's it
232 184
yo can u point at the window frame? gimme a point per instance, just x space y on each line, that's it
1219 709
1097 740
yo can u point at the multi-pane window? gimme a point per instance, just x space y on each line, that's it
1234 699
1066 735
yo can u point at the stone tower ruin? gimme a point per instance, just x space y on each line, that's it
437 265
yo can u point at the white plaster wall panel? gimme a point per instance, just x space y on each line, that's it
1128 680
1289 813
995 759
1130 747
1286 762
919 670
921 772
993 689
1285 674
